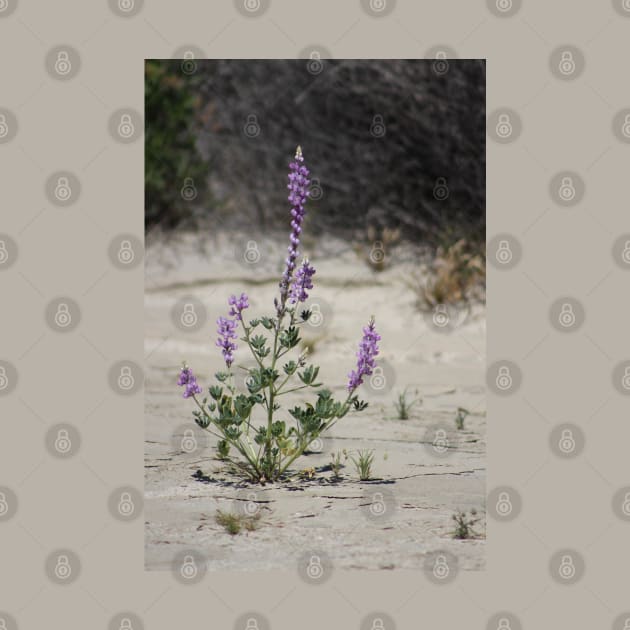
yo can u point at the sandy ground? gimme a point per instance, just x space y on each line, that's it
392 521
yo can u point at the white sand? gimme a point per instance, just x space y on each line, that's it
447 369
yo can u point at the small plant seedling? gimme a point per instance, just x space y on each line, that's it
363 464
460 417
335 464
403 405
465 523
234 523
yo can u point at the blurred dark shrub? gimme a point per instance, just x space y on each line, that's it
172 160
390 143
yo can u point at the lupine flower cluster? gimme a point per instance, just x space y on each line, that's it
303 281
265 452
298 193
226 329
368 349
189 381
238 305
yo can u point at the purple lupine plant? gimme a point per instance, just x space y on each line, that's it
368 349
251 437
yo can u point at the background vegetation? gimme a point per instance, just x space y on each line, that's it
381 138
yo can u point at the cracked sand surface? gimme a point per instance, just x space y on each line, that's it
301 515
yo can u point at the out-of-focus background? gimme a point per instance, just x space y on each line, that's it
396 144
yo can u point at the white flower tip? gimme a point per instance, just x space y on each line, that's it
298 152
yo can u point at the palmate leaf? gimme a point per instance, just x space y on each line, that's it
309 375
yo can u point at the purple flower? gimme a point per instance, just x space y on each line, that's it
368 349
302 282
226 329
298 192
238 305
189 381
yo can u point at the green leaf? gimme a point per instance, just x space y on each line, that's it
267 322
215 391
289 368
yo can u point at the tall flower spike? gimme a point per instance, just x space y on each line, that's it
303 281
298 193
226 329
368 349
